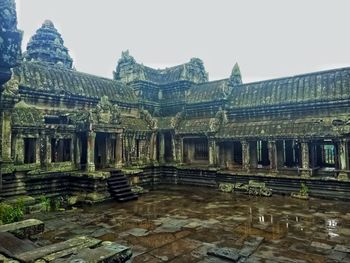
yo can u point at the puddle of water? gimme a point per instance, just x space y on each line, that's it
186 218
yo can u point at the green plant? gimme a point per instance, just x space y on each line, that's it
56 203
304 190
12 213
45 203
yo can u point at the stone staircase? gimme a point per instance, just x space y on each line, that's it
119 187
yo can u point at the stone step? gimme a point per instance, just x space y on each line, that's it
123 194
117 186
25 228
123 181
121 189
128 198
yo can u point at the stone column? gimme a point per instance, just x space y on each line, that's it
272 155
19 149
173 148
91 151
37 150
179 149
6 136
77 151
305 159
343 158
119 150
212 151
152 147
279 154
245 156
161 147
253 155
47 159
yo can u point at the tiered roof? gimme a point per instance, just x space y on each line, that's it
60 81
314 87
208 91
47 46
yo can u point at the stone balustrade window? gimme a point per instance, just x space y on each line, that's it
61 150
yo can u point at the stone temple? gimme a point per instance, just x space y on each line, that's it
68 126
67 132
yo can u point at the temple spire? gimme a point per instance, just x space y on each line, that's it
11 38
235 78
47 46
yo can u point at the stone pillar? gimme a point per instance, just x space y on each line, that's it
253 155
305 159
179 149
173 148
119 150
91 151
279 154
212 151
161 147
6 136
343 158
272 155
77 151
19 150
47 159
245 156
154 158
37 150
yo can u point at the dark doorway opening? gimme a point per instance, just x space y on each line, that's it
101 150
83 150
29 150
168 152
263 154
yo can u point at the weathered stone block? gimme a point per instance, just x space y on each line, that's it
55 251
24 228
225 253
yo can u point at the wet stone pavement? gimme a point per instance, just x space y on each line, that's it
189 224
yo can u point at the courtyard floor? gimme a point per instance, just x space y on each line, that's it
181 224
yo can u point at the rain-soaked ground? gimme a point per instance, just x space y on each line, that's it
180 224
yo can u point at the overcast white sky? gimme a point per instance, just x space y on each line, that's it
268 38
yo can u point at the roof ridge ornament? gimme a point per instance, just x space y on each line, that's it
236 77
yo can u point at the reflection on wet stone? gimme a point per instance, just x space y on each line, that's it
176 225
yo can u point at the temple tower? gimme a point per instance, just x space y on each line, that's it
47 46
10 53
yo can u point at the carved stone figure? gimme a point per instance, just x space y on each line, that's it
175 121
153 124
11 87
116 114
103 110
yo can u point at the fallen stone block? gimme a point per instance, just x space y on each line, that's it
321 245
54 251
25 228
11 245
109 253
225 253
250 245
342 248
